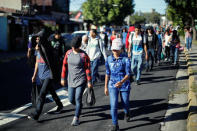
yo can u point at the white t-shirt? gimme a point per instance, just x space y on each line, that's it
167 40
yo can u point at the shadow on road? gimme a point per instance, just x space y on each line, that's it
138 108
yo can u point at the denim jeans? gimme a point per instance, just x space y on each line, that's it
174 54
151 55
47 85
136 65
189 43
114 94
159 53
75 97
94 69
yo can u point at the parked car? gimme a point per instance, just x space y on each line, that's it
80 33
66 35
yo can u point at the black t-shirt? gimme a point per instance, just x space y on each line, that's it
151 42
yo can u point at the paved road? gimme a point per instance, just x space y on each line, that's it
149 102
15 84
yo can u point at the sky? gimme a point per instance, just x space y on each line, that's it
140 5
147 5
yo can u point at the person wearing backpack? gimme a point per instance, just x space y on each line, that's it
174 48
137 43
118 70
124 35
44 73
167 43
131 30
95 50
103 36
36 85
76 73
84 43
58 44
151 47
159 46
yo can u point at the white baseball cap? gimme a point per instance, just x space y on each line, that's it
101 29
117 44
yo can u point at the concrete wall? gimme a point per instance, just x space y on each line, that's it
3 34
11 4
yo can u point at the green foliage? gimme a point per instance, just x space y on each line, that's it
177 19
152 17
137 18
183 12
141 18
107 11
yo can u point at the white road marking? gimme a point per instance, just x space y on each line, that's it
9 117
22 108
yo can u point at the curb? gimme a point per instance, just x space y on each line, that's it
192 98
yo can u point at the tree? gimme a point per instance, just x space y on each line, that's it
177 19
140 18
183 10
137 18
152 17
107 11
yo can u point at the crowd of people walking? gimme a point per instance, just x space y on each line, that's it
77 67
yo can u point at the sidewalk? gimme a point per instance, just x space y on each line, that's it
191 57
9 56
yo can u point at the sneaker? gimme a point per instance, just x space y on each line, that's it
75 121
127 117
166 59
33 116
138 82
132 79
147 70
114 128
58 110
159 63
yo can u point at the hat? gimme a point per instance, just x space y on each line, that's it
116 44
101 29
93 27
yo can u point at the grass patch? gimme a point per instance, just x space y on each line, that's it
194 87
194 71
181 91
194 42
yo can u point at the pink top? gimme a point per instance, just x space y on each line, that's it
188 34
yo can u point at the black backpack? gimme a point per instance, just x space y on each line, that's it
48 54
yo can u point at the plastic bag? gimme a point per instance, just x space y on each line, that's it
90 97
